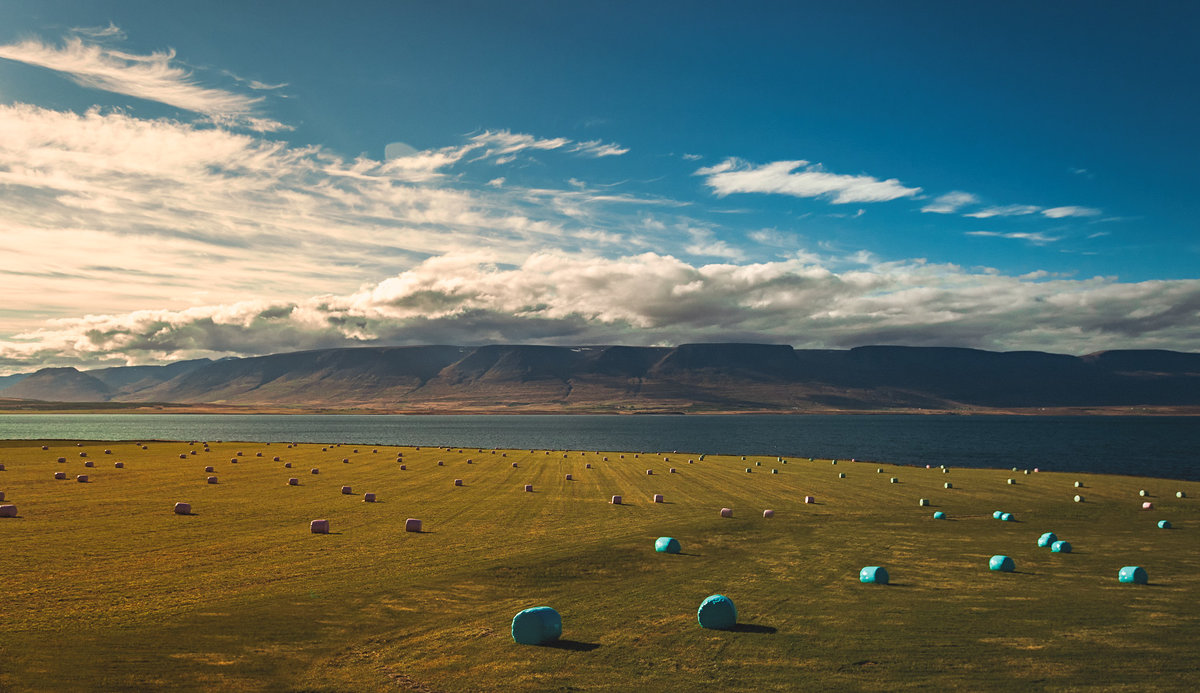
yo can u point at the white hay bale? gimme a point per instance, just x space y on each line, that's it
1143 493
107 451
60 475
774 471
1147 506
319 526
83 454
233 460
82 478
768 513
616 500
212 480
1012 482
183 509
369 497
1078 484
1180 494
412 524
346 491
726 512
1078 499
8 510
658 498
45 447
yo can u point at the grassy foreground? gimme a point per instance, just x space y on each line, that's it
105 588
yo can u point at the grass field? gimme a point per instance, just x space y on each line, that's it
105 588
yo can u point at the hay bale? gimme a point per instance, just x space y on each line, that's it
346 460
212 479
8 510
369 497
1061 547
346 491
1143 493
1180 494
768 513
528 488
440 463
841 475
258 454
1007 517
293 482
233 460
182 456
667 545
726 512
412 524
118 465
315 470
319 526
1134 574
458 482
873 574
89 463
82 478
589 465
1078 484
616 500
810 500
939 515
276 459
60 475
1004 564
1147 506
1047 539
45 447
658 498
894 480
1012 482
570 478
239 453
996 514
287 465
717 612
403 467
536 626
62 460
879 470
1162 524
748 470
210 469
514 465
948 485
183 508
923 502
671 470
1078 499
758 464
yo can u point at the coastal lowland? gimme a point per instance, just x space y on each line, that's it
110 585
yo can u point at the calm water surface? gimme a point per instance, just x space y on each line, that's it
1167 447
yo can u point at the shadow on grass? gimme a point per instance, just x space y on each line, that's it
752 628
572 645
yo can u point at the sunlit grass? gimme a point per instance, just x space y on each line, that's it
106 588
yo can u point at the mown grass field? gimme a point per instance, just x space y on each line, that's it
105 588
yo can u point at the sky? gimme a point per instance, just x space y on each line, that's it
209 179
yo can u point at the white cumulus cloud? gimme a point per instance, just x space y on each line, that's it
781 177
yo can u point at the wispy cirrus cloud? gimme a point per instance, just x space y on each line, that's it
573 298
1033 237
1004 211
598 149
950 202
781 177
1071 211
153 77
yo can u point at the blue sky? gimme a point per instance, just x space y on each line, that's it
214 179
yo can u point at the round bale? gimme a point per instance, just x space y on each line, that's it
8 510
412 524
210 469
939 515
1164 524
666 545
717 612
948 485
1180 494
1134 574
873 574
319 526
1078 484
183 508
1078 499
1147 506
726 512
616 500
923 502
768 513
1007 517
528 488
536 626
315 470
458 482
1047 539
1003 564
212 479
118 465
810 500
894 480
60 475
841 475
293 482
1143 493
1061 547
82 478
658 498
346 491
369 497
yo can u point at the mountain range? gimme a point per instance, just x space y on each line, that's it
690 377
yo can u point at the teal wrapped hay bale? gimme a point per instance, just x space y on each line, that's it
1061 547
939 515
1047 539
996 514
873 574
666 545
717 612
536 626
1164 524
1004 564
1007 517
1133 574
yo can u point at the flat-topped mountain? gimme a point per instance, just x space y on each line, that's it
690 377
